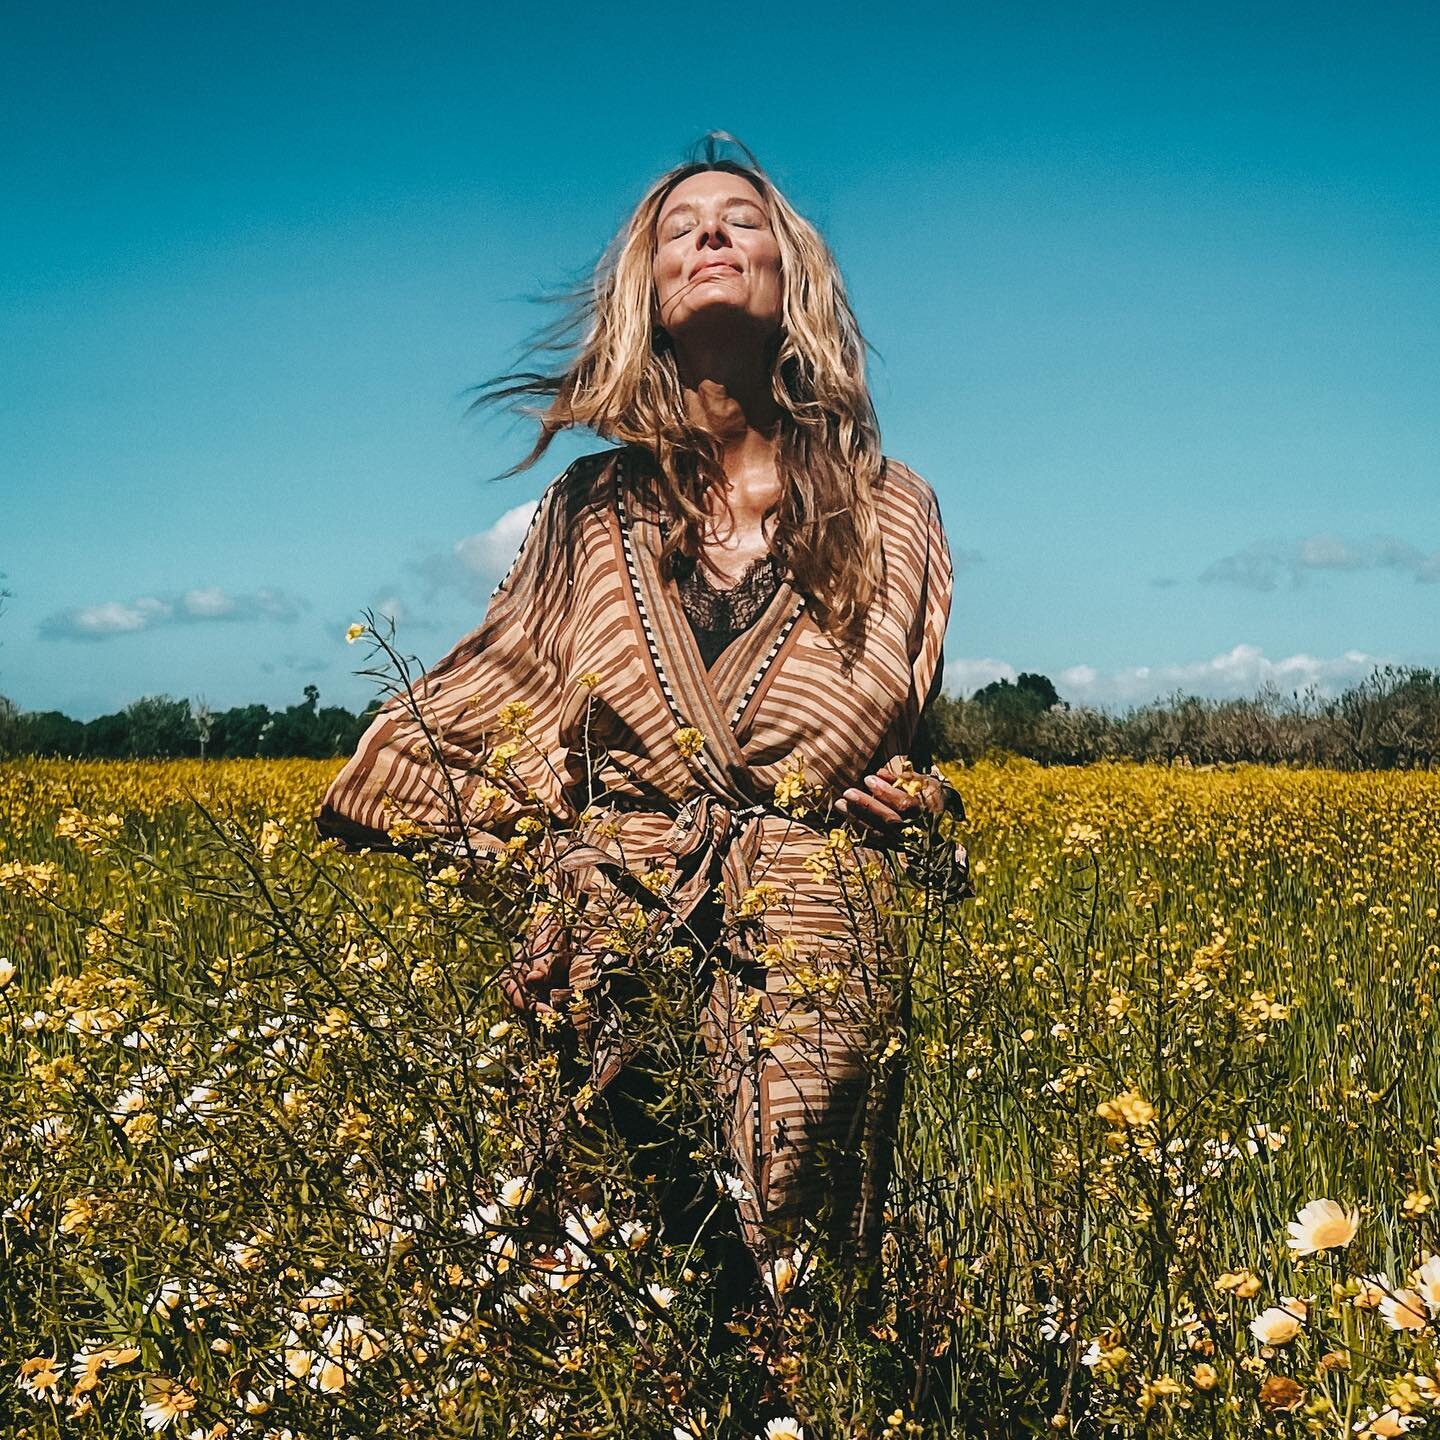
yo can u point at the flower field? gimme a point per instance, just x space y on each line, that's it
1166 1164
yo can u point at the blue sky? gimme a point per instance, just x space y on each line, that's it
1155 292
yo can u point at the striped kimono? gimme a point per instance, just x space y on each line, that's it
639 761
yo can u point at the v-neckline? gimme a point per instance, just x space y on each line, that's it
722 695
719 616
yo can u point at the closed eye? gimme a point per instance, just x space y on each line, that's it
747 219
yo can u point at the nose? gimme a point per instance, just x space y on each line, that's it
711 237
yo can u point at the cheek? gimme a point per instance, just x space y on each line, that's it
667 271
767 267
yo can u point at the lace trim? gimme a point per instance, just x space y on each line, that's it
735 608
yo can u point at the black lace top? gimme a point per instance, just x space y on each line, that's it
717 616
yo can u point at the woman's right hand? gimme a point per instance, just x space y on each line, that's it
545 966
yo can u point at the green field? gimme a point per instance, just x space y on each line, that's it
261 1104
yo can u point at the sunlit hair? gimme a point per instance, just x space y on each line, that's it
621 381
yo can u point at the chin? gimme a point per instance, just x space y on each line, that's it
711 307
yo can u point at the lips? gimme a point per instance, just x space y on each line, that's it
712 265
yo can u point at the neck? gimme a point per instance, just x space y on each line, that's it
727 392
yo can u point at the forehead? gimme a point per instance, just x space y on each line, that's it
711 185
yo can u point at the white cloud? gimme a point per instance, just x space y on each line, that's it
212 604
1239 671
127 617
476 564
112 617
487 554
391 608
965 677
1263 565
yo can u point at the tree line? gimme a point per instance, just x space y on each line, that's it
161 727
1389 721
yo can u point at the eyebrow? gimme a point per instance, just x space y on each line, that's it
729 200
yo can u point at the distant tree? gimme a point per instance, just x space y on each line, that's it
48 732
943 732
1389 721
1036 692
203 718
107 737
235 733
1392 719
9 726
300 730
1013 707
338 731
161 728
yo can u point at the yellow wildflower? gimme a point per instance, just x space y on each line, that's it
515 715
688 741
272 832
1079 840
1153 1391
1241 1283
1129 1108
758 899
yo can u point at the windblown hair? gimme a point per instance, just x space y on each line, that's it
622 382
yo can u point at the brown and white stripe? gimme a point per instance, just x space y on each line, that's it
586 597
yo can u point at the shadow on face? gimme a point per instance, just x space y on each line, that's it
717 259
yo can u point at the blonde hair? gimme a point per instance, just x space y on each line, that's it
622 382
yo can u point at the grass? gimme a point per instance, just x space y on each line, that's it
258 1096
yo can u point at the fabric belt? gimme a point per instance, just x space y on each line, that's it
708 840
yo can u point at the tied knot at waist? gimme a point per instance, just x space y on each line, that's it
706 820
707 832
709 840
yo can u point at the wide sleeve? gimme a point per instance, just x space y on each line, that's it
927 555
932 615
928 655
476 742
910 740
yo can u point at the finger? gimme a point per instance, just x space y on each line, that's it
891 795
872 811
527 1003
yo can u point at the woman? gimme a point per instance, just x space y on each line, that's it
713 648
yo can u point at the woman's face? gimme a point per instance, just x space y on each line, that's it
717 261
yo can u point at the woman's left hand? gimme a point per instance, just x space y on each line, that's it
881 804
